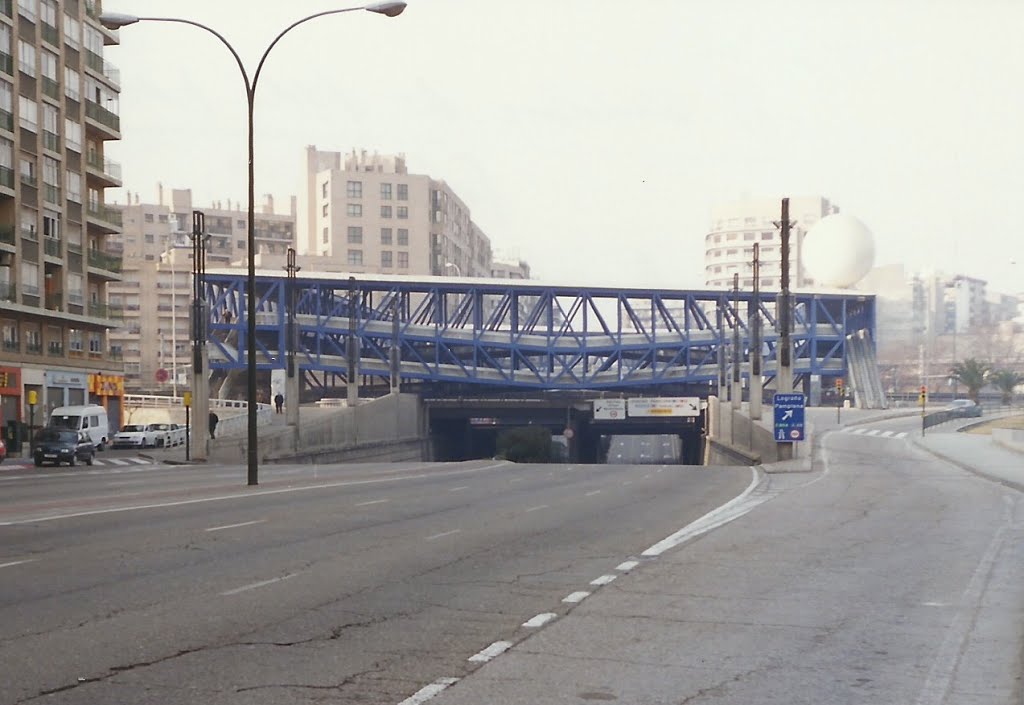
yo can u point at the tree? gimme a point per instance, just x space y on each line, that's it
973 374
529 444
1006 381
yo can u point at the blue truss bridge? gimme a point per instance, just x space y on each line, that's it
515 334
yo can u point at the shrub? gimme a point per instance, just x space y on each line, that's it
530 444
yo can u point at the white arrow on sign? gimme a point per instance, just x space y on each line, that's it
788 414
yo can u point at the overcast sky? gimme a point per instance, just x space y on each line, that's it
591 137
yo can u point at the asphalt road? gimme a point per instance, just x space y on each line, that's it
644 450
353 584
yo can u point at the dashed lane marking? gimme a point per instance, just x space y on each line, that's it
235 526
253 586
21 562
591 494
443 534
375 501
540 620
429 691
603 580
575 597
495 649
627 566
536 509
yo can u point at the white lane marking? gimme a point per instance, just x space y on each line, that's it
253 586
901 434
244 495
627 482
935 604
540 620
627 566
603 580
591 494
445 533
887 434
859 431
574 597
458 489
139 461
235 526
14 563
873 432
495 649
947 661
429 691
376 501
729 511
536 509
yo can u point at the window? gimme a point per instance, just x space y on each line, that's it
386 257
72 32
149 217
240 223
323 189
239 244
48 12
28 114
767 235
749 236
403 192
51 225
149 238
7 99
76 342
403 237
403 212
385 192
51 171
355 256
5 40
323 211
385 211
385 236
73 135
30 278
354 189
72 84
403 260
27 169
354 210
93 40
26 58
355 234
95 343
75 288
48 65
326 236
27 8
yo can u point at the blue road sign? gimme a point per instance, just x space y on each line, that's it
789 417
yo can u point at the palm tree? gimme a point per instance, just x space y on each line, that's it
1006 381
973 374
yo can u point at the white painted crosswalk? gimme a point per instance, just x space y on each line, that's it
875 432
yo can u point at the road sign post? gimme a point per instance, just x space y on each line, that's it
33 399
923 400
187 399
789 417
839 397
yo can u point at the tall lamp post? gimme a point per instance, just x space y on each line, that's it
114 20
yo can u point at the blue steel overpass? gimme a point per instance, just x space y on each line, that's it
515 334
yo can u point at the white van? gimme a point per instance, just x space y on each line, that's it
92 419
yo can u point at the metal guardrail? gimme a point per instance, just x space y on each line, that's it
937 418
160 401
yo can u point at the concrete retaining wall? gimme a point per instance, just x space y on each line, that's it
733 439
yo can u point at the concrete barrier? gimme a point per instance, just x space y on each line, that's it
1011 438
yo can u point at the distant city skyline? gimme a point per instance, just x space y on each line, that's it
594 138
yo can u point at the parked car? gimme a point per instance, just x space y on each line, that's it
166 434
964 407
57 445
138 436
3 450
90 418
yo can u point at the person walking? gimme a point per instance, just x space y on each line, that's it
279 402
213 424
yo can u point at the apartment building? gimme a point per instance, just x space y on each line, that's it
58 113
156 291
369 213
737 225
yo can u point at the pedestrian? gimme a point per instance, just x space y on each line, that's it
227 316
213 424
279 402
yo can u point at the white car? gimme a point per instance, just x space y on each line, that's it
138 436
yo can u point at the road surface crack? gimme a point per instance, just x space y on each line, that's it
349 680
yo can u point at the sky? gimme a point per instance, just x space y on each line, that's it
592 137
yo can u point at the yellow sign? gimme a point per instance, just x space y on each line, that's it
33 398
187 399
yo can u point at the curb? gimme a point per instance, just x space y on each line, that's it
968 468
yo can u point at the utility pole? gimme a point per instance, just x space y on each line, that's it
293 380
720 322
736 394
396 380
784 362
200 380
754 322
353 350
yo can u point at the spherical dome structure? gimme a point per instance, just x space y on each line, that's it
838 251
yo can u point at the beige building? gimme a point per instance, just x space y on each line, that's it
370 215
737 225
156 291
58 112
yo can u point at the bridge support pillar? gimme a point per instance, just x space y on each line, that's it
756 392
292 387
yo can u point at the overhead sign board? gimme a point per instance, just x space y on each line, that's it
609 409
663 406
789 417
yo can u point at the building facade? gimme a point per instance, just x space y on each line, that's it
737 225
156 291
58 113
370 214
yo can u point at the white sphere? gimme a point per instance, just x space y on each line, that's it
838 251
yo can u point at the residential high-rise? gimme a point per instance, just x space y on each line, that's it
58 112
737 225
369 213
157 288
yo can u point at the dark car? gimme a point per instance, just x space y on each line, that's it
3 450
964 407
58 445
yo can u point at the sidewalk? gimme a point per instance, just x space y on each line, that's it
978 454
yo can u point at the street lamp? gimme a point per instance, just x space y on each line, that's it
114 20
458 270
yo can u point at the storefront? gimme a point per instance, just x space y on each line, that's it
64 388
10 395
108 392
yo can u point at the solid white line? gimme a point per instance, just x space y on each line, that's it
253 586
429 691
244 495
495 649
627 566
457 489
235 526
540 620
534 509
579 596
603 580
13 563
376 501
446 533
591 494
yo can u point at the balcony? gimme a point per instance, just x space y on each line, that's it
8 291
111 313
7 177
51 141
103 219
12 346
105 122
7 235
51 88
34 348
98 65
116 355
55 302
7 63
50 34
7 120
106 171
51 194
103 263
51 247
55 349
7 8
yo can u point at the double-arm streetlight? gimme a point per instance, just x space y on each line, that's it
113 20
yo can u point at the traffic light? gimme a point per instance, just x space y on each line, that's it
839 386
924 394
